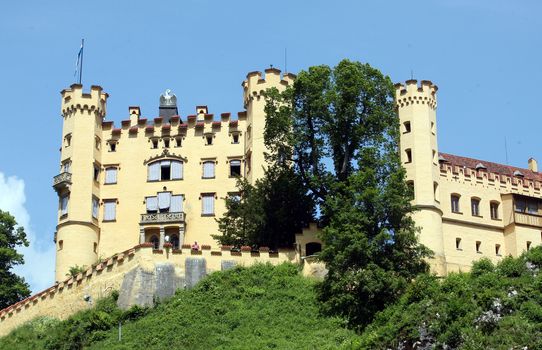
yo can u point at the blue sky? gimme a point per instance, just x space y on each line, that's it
484 55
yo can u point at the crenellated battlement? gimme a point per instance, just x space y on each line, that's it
411 93
255 84
74 99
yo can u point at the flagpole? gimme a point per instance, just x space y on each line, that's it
81 63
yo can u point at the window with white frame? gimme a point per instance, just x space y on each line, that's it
209 169
110 210
208 204
111 175
95 206
165 170
64 205
165 202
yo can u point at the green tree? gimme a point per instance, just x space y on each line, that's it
13 288
269 213
339 130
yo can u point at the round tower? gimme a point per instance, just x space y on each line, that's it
254 88
77 184
416 107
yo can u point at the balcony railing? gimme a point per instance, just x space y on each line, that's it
62 180
161 218
528 219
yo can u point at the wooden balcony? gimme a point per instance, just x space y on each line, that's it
528 219
162 218
62 182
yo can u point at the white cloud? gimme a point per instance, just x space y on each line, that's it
38 269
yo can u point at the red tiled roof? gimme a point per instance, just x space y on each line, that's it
491 167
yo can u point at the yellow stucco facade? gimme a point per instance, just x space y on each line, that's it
467 208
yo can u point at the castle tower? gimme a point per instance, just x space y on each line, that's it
77 184
416 106
254 88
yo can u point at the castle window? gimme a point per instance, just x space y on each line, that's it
96 175
154 143
478 247
249 132
112 146
110 210
494 209
406 127
95 206
208 139
410 187
433 128
312 248
248 163
110 175
68 140
528 206
64 205
60 244
498 249
165 170
475 206
209 170
66 166
455 203
529 245
166 143
235 168
208 204
97 142
408 153
178 141
155 242
235 137
95 247
436 192
174 239
435 158
458 243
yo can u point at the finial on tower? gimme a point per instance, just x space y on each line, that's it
168 105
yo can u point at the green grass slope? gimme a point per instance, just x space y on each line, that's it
261 307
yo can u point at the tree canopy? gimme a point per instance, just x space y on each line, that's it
13 288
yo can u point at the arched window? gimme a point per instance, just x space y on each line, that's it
454 198
165 170
494 209
312 248
155 241
475 206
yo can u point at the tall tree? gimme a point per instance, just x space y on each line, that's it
13 288
339 129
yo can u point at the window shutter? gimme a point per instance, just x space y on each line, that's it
154 171
152 203
110 210
176 170
164 200
208 169
111 175
208 204
176 204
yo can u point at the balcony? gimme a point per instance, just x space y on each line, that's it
162 218
62 182
528 219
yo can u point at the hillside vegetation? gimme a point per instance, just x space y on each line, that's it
261 307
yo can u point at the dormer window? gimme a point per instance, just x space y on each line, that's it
518 173
480 166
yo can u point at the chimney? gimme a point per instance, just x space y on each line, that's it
533 165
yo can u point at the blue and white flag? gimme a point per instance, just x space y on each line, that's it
79 59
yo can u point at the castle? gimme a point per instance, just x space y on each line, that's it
134 198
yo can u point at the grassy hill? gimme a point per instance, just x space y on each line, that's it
262 307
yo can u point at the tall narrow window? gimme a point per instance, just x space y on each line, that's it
165 170
154 143
497 249
111 175
176 170
96 172
208 204
458 243
478 247
235 168
154 171
110 210
410 186
455 203
112 146
95 206
155 242
235 138
166 143
475 206
436 192
408 153
494 209
64 205
406 127
209 139
178 141
529 245
208 169
67 140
